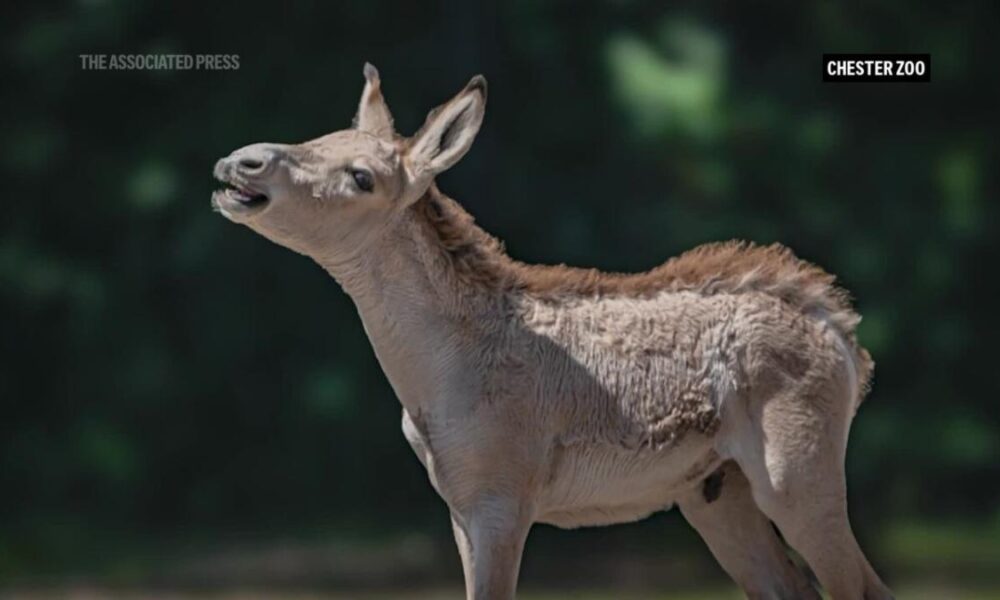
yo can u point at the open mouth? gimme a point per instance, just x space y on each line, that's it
238 199
245 196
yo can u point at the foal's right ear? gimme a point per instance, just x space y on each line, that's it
373 113
448 133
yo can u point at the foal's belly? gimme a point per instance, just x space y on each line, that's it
601 484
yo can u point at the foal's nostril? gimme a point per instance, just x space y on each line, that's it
254 160
251 163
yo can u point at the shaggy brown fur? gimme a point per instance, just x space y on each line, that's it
724 267
550 394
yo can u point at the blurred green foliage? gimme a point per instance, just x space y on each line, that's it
165 372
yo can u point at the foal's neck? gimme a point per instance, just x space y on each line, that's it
422 312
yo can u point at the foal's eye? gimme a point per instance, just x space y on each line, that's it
363 179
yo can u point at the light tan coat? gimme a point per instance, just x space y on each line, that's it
723 381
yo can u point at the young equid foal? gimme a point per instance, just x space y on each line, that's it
723 381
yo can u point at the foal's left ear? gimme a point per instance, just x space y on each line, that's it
448 132
373 113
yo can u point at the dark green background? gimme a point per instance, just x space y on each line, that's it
169 380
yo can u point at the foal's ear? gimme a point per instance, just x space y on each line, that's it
373 113
448 132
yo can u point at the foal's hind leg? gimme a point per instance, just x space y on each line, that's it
742 539
793 450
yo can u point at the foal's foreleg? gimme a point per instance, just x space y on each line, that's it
490 537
